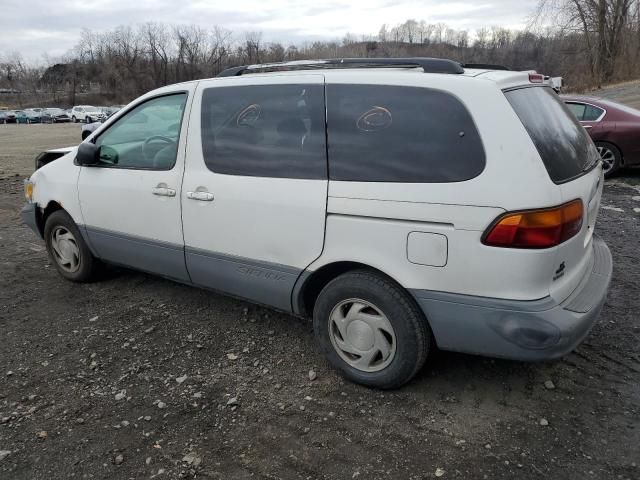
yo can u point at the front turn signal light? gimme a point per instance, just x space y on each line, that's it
28 190
544 228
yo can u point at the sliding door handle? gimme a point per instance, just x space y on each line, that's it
164 192
200 196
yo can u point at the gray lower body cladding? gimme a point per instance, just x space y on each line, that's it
519 330
28 214
262 282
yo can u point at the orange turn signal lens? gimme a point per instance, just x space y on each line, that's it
543 228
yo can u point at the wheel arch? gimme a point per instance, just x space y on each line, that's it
44 213
604 140
310 283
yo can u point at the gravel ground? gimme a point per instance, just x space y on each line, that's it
628 93
138 377
19 144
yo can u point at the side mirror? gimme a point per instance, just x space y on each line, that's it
88 154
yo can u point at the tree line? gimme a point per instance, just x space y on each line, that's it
588 42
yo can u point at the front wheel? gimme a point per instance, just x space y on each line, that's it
74 119
611 158
68 250
371 330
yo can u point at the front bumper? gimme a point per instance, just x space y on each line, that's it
29 218
520 330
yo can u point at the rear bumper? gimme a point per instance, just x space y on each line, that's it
519 330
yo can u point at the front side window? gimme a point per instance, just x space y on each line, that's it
265 131
381 133
146 137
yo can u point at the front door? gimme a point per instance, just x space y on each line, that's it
255 186
130 201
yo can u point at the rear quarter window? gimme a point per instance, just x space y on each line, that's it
563 144
380 133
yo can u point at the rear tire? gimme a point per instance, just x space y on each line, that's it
68 250
74 119
611 158
371 330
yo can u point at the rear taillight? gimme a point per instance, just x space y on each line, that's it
536 228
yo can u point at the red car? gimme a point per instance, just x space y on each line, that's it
614 128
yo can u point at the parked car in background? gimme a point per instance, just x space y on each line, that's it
395 229
614 128
87 114
57 115
115 108
31 116
10 116
89 128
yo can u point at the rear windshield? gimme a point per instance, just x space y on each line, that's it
564 145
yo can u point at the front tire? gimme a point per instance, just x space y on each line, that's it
371 330
74 119
611 158
68 250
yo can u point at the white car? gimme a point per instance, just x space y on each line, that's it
403 208
86 114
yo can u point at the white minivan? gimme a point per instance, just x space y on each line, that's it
403 204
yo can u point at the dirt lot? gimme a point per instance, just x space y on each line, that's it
628 93
138 377
19 144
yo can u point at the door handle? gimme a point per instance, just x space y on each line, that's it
201 196
164 192
588 126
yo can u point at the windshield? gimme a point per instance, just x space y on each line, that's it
564 145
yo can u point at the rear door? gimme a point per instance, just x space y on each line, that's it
255 186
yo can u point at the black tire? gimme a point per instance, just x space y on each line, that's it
613 154
88 266
74 119
87 120
413 336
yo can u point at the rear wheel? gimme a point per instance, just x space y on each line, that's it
74 119
87 120
68 250
611 158
371 330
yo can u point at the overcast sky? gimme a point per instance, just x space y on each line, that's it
36 27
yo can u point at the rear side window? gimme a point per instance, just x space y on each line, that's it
564 145
265 131
591 113
577 109
400 134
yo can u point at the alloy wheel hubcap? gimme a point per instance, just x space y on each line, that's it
362 335
65 249
608 158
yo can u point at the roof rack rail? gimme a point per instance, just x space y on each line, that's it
485 66
429 65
